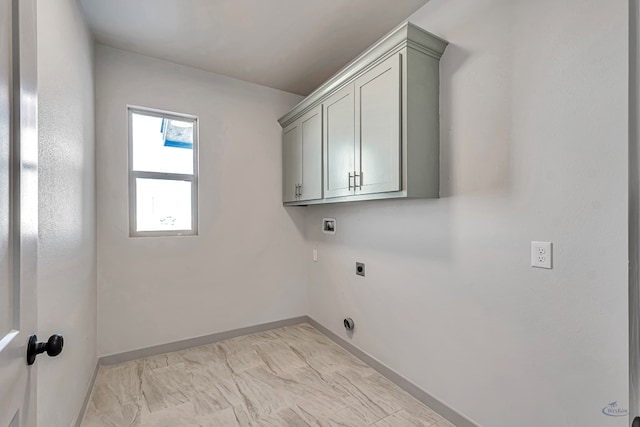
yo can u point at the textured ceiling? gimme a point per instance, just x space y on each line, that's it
292 45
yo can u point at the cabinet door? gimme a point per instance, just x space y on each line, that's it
311 147
378 130
291 161
339 127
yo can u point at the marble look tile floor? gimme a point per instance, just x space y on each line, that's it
293 376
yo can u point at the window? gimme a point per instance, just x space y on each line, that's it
163 173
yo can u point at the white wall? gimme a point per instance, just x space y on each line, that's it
67 233
534 147
246 266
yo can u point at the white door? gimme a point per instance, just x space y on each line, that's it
291 157
378 139
18 210
311 147
339 144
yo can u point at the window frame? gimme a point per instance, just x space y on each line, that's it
133 175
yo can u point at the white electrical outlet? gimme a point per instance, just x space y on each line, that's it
315 255
541 255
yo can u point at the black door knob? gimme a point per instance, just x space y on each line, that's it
53 347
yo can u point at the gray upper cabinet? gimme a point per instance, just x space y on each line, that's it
378 137
302 158
339 143
290 162
373 127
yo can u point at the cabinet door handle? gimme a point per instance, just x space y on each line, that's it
354 182
299 189
355 185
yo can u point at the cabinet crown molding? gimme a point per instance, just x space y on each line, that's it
405 35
